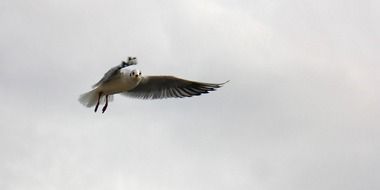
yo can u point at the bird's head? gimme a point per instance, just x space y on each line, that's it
135 74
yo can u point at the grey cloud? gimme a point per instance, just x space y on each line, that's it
300 112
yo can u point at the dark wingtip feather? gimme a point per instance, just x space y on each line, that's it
225 82
221 84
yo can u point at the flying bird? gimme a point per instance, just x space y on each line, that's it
133 84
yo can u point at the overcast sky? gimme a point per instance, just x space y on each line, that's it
302 109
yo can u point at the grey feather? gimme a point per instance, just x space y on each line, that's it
159 87
114 71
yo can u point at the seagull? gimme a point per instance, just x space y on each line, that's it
133 84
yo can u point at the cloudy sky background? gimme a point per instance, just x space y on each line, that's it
302 110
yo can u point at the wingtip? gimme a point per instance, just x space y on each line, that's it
221 84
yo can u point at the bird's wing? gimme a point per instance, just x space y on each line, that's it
114 71
158 87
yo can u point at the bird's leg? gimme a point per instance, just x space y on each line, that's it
97 103
105 105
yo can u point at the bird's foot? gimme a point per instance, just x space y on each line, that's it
97 103
104 108
96 107
105 105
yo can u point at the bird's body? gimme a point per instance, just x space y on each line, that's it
132 84
120 82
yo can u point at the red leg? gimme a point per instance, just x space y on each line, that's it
105 106
97 104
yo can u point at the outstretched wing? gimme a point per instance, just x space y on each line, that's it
114 71
158 87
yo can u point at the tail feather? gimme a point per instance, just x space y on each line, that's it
89 99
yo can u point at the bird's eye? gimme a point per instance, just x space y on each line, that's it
139 73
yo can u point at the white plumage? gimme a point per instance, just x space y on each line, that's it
133 84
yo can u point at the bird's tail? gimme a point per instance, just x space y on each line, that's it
89 99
